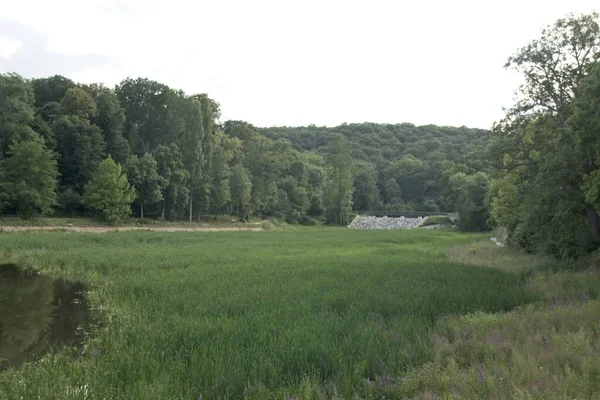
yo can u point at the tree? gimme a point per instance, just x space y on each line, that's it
542 147
366 192
393 194
146 104
241 192
29 178
81 147
316 185
110 118
170 167
412 175
16 111
293 200
51 89
143 176
220 172
77 102
109 192
338 193
473 212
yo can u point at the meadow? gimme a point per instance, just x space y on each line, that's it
306 313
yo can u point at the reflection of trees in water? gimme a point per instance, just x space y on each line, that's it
37 313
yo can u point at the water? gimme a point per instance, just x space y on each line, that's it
37 314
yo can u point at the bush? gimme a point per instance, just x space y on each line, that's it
306 220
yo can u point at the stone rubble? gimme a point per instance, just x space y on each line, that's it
369 222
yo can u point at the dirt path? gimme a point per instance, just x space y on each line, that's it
105 229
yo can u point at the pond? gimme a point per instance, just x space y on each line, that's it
38 313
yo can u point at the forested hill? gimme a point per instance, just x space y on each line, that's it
381 143
406 167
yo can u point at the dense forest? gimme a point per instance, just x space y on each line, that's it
164 153
146 148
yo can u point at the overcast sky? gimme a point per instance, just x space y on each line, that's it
286 62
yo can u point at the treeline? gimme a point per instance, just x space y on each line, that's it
72 147
545 154
147 147
400 167
424 150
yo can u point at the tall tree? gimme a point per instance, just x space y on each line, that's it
193 157
210 114
110 118
471 204
16 111
145 104
109 192
81 147
78 103
148 184
534 148
366 192
220 172
338 194
241 192
170 168
393 193
51 89
29 178
316 187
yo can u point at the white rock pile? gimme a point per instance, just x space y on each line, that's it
368 222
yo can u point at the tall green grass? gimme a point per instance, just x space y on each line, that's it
309 312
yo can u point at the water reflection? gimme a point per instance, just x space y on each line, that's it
38 313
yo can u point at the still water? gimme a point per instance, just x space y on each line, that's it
37 314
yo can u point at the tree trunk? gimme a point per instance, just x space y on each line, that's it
191 204
593 221
216 216
142 210
162 215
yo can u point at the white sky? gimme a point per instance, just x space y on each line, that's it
292 62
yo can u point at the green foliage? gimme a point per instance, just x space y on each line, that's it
81 147
108 192
169 166
110 118
16 111
366 192
77 102
414 156
51 89
68 200
29 178
144 178
241 192
338 193
84 123
544 151
145 104
473 212
220 172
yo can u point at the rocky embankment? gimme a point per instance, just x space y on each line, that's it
368 222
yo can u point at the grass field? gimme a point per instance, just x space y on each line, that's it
309 313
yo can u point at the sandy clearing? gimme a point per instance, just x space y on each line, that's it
105 229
